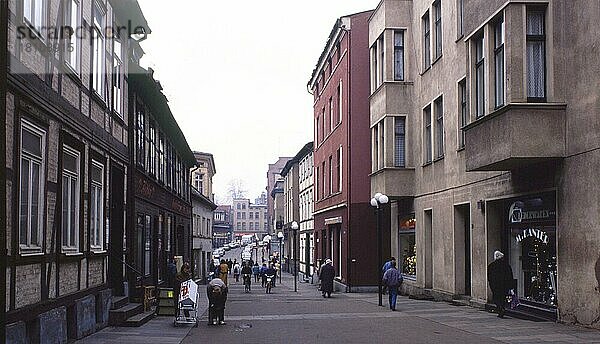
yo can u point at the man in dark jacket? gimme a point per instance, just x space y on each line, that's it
326 277
392 280
217 296
500 278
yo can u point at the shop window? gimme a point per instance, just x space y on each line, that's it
407 246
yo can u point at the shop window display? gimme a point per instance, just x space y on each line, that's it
407 245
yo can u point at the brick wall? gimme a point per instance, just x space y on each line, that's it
28 288
68 278
96 272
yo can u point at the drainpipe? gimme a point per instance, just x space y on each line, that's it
3 90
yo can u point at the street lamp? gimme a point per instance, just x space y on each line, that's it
295 230
377 202
280 237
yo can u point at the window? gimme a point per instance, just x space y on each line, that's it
499 62
323 179
152 148
374 67
256 215
536 56
399 55
97 206
98 51
199 182
479 78
252 226
243 216
251 215
243 225
407 246
462 119
376 147
339 168
148 245
161 157
70 199
427 134
340 106
140 135
317 132
72 46
399 142
31 186
439 127
381 61
317 183
426 41
382 144
243 206
34 12
332 120
325 132
239 216
169 164
239 226
256 225
461 8
117 78
437 10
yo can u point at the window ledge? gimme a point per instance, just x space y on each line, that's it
425 70
460 149
30 252
441 157
437 59
427 164
98 251
72 254
459 38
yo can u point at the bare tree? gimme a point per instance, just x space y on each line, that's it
236 189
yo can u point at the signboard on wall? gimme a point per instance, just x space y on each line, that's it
531 209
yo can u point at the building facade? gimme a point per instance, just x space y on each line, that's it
343 219
202 225
66 164
298 206
160 206
273 174
248 218
203 174
222 229
488 154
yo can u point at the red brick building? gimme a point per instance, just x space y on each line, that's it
344 220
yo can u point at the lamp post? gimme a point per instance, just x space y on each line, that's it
280 237
377 202
295 230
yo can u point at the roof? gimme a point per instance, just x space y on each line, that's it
130 13
209 156
142 81
301 154
203 199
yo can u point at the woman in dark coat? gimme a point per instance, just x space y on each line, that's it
326 277
500 277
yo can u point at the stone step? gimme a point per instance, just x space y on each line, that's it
139 319
117 317
119 301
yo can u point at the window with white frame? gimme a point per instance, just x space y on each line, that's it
426 41
70 199
34 12
339 169
437 12
98 62
399 55
462 118
72 45
499 62
439 127
97 206
117 77
536 55
340 105
31 187
332 121
374 67
375 153
427 149
399 142
461 7
152 148
140 151
479 77
381 61
382 141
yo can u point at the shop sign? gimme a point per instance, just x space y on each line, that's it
333 220
533 233
532 210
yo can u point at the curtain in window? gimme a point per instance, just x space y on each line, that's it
399 142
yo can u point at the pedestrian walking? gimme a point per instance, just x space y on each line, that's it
236 271
255 272
223 271
216 291
171 273
263 271
392 279
326 277
385 268
500 278
229 265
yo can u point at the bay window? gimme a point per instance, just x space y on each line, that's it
536 56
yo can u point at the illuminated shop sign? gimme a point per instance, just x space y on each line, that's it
533 233
534 209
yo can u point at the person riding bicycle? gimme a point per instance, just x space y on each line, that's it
246 274
271 273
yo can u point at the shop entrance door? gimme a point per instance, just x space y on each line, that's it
116 230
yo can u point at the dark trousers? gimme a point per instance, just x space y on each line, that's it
215 314
392 297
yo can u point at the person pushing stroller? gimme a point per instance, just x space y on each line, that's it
217 296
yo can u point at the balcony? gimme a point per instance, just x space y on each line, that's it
392 97
514 136
394 182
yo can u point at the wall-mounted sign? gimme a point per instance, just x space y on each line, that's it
533 209
532 233
333 220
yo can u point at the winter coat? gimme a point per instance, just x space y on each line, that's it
216 300
326 277
223 272
392 278
500 278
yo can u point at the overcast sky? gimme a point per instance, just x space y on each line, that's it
235 74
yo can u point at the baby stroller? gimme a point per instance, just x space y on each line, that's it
187 310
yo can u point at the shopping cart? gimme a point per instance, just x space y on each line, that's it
187 310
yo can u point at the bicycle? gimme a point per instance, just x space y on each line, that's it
269 284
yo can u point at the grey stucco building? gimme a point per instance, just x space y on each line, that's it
484 121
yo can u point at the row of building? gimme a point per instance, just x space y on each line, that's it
99 193
479 120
